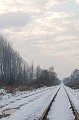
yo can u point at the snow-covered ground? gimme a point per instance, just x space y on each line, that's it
76 93
6 99
60 109
73 98
30 104
2 91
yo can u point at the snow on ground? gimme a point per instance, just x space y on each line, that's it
2 91
31 104
8 101
25 100
73 98
60 109
76 93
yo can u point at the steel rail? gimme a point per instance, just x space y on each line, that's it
45 113
72 106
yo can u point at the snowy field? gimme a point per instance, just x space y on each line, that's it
74 97
76 93
29 105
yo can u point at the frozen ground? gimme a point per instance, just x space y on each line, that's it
30 104
76 93
61 108
73 98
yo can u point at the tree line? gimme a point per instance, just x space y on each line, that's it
73 79
14 71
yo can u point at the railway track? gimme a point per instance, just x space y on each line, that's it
46 111
61 106
37 96
72 106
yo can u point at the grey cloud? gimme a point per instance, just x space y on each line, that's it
14 19
52 37
40 3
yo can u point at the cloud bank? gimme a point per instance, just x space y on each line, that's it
45 29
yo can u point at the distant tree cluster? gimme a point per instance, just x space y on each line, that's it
46 77
73 80
14 71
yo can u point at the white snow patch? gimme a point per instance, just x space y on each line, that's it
34 105
73 98
60 109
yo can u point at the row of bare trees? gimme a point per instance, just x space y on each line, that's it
15 71
73 79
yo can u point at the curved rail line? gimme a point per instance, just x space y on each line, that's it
72 107
45 113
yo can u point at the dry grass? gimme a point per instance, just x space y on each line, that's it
25 88
10 89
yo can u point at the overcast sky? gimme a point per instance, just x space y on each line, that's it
45 31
